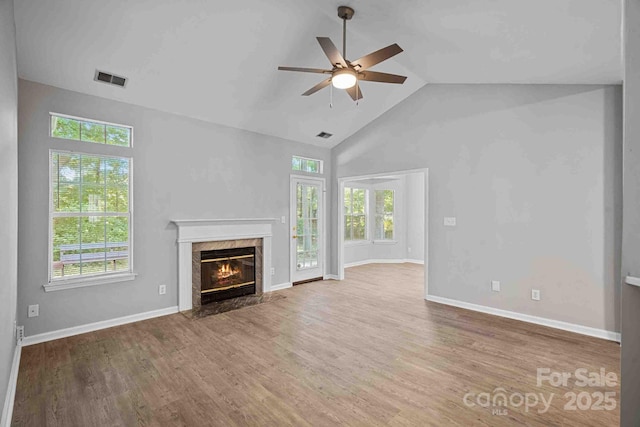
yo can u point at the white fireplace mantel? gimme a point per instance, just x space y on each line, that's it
214 230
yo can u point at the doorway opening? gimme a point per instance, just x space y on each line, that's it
383 218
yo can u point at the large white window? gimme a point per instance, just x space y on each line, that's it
384 202
90 218
355 214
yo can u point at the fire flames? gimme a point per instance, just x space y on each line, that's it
226 270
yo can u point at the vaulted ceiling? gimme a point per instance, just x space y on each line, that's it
217 61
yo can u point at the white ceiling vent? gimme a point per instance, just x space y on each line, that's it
103 77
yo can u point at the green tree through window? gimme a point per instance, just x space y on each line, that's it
355 214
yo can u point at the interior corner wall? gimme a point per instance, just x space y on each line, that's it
415 216
8 191
182 169
531 173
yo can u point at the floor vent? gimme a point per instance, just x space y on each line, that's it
103 77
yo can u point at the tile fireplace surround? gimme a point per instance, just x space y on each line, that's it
194 235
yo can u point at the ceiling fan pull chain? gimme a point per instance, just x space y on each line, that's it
331 96
357 94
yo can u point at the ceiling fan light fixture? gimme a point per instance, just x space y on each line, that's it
344 78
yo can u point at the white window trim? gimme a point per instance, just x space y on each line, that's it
89 279
84 119
320 164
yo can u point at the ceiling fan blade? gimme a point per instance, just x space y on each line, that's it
377 57
332 52
355 92
374 76
317 87
305 70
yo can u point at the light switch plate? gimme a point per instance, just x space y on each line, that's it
495 285
450 221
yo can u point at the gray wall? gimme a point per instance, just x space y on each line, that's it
630 309
530 173
8 191
183 168
415 216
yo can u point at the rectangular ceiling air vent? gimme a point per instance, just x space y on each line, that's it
109 78
325 135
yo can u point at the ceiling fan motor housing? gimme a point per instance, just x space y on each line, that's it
345 12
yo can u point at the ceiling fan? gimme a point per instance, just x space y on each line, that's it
345 74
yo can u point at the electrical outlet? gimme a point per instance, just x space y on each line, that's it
162 289
409 249
273 271
34 310
495 285
450 221
283 219
19 333
535 294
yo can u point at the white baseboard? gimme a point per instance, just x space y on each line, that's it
383 261
7 411
90 327
330 277
557 324
280 286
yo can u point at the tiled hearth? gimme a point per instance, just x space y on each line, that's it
195 236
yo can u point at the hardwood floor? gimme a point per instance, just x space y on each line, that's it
365 351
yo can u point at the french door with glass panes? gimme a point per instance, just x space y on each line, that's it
306 228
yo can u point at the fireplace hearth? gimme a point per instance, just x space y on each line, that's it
227 273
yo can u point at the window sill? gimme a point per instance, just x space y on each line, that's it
357 242
82 282
385 242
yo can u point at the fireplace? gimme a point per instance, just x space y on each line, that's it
227 273
201 235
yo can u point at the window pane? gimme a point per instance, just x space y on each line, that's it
305 165
359 199
66 243
117 182
117 243
296 163
347 228
120 136
347 200
388 201
388 227
359 228
379 228
92 249
92 132
65 182
61 127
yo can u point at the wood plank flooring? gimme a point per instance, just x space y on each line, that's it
365 351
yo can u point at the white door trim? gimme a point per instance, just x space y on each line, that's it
323 222
340 228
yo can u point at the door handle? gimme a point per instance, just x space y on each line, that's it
633 281
294 237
